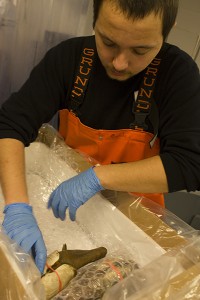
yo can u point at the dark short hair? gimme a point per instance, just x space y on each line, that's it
140 8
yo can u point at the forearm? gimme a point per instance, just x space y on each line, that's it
144 176
12 171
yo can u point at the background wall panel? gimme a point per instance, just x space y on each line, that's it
28 28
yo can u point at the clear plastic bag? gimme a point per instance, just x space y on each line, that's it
135 228
173 276
19 277
165 228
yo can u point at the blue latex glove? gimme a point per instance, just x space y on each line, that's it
21 226
73 193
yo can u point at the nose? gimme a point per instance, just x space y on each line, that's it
120 62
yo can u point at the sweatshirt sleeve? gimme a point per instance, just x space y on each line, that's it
179 106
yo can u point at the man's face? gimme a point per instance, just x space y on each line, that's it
126 46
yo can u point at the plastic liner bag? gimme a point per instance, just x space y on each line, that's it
165 228
76 160
93 280
174 276
19 277
49 162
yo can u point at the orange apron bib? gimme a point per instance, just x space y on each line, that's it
109 146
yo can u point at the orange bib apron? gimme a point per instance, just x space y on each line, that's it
109 146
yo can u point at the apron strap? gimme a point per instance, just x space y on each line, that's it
82 77
145 105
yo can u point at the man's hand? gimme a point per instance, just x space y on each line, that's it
73 193
21 226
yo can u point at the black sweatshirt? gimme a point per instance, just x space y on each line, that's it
108 105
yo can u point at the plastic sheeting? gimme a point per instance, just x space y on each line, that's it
19 277
176 276
29 28
131 243
98 222
163 226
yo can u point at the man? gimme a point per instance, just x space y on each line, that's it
128 99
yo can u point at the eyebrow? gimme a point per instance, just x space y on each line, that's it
143 47
105 37
136 47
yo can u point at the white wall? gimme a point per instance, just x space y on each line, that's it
28 28
186 33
